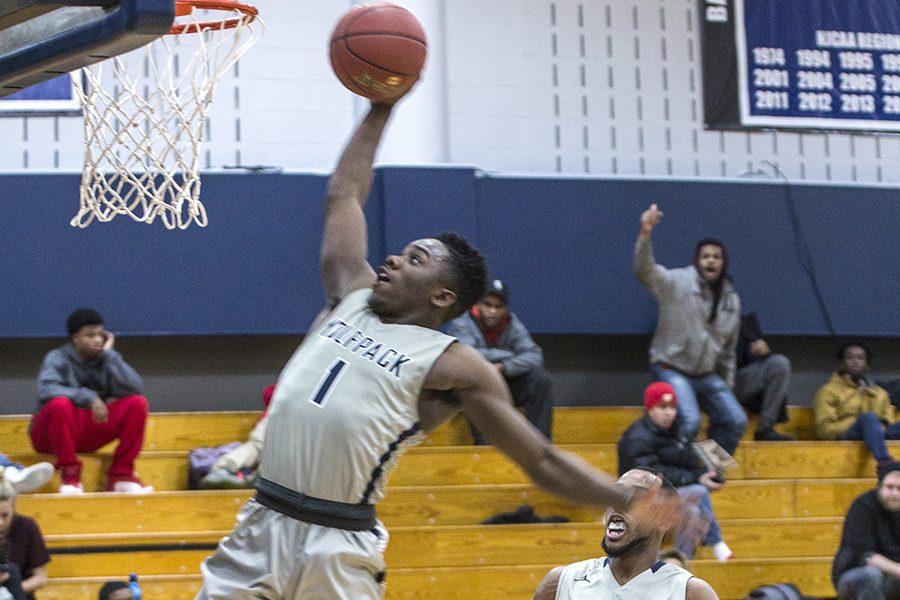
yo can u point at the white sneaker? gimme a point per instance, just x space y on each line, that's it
131 487
722 552
30 478
70 489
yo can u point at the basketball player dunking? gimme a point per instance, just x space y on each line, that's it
372 376
631 568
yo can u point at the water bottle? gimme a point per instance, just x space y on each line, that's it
134 586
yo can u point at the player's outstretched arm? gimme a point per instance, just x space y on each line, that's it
697 589
546 589
344 243
484 398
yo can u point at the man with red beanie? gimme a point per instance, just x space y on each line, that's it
656 441
89 396
693 347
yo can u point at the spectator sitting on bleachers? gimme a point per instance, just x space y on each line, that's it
89 396
23 554
693 347
656 441
867 563
851 407
115 590
228 470
503 340
25 479
762 380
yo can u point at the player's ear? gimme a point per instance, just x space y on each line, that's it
442 297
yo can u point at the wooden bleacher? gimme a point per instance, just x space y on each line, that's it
781 512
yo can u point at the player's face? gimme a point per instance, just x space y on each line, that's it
855 360
492 310
889 491
88 341
711 262
623 535
407 281
7 510
663 414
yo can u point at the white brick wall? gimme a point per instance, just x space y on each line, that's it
593 86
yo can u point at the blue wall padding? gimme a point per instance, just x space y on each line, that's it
564 245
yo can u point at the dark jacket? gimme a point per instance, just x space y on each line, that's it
749 333
64 373
516 350
644 444
869 528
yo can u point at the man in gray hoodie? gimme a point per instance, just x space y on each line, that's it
502 339
693 348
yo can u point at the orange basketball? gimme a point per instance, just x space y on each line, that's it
378 50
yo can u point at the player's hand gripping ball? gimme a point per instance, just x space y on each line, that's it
378 51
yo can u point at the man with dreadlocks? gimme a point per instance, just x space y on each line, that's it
693 348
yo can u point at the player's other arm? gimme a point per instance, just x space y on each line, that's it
485 399
546 589
697 589
344 243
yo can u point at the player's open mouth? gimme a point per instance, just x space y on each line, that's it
616 527
382 275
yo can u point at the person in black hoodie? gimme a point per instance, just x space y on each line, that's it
656 441
867 563
762 380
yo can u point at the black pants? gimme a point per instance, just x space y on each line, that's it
14 583
532 391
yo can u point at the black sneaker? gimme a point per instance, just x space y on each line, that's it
770 435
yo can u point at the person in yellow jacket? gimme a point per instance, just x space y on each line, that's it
852 407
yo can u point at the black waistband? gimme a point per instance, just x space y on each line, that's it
328 513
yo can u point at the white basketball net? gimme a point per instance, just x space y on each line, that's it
144 123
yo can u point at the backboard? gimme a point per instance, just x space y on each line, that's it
41 39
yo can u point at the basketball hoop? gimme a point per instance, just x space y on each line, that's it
144 126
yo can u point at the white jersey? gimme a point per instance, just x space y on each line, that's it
346 404
593 580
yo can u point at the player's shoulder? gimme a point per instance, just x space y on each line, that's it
353 297
698 589
458 354
460 362
546 589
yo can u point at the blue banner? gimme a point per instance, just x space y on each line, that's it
819 63
54 96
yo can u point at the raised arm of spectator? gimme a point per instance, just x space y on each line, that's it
345 242
828 424
52 382
526 355
657 278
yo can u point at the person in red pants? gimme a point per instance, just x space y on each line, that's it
89 396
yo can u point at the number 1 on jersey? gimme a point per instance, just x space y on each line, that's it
323 390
